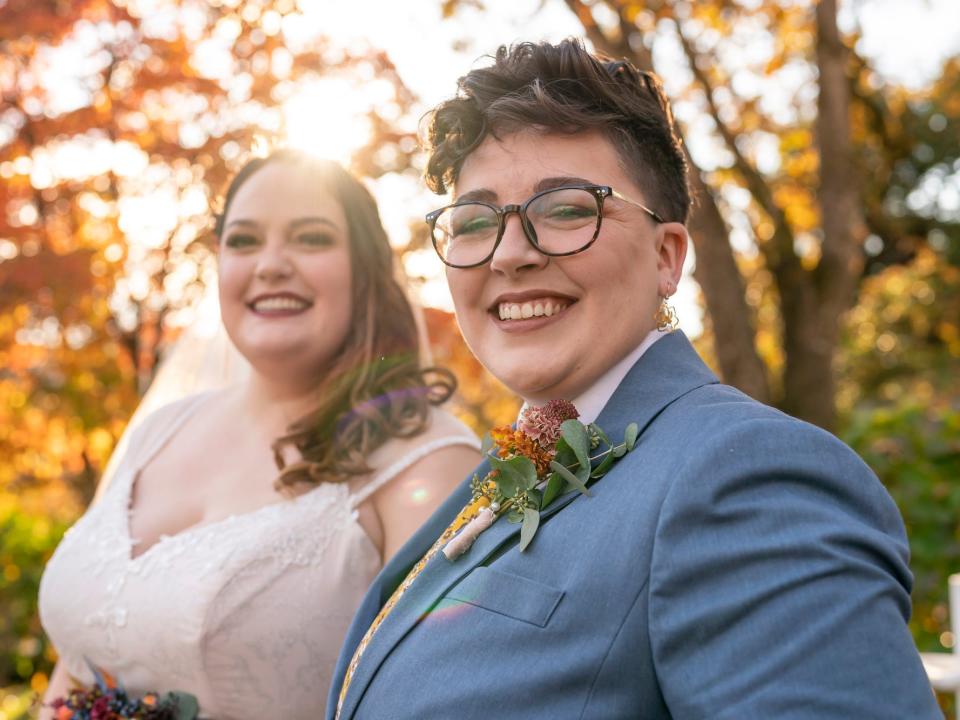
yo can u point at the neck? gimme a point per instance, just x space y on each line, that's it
277 402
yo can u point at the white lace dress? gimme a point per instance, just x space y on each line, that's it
247 613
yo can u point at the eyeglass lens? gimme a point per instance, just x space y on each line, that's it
560 221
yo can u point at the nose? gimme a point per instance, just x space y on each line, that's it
515 253
273 262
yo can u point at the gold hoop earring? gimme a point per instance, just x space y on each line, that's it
666 317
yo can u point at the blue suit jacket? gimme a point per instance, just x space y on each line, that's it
737 564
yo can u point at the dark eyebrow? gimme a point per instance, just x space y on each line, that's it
554 182
314 220
549 183
299 222
244 223
481 194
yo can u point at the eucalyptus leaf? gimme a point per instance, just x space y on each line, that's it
187 706
518 473
601 469
576 436
630 436
486 444
531 521
603 436
552 491
569 477
564 454
619 451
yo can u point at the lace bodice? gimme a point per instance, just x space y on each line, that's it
247 613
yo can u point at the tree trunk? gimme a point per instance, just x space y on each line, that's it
716 269
813 307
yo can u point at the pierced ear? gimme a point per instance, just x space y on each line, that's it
672 241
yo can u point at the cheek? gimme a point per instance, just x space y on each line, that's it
231 273
466 289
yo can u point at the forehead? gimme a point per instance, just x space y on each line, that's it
515 163
283 191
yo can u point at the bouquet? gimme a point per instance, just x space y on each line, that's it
106 700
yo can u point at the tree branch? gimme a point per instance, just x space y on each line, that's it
598 38
783 238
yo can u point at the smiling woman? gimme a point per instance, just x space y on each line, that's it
243 526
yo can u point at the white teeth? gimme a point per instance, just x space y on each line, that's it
279 303
523 311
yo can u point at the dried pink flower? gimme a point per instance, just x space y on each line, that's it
542 423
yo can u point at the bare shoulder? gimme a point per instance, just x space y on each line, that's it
444 440
414 476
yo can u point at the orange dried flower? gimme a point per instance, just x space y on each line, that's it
512 443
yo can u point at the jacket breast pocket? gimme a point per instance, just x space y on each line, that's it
510 595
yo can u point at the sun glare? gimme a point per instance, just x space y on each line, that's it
327 118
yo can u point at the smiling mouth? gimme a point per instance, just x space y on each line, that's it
280 305
541 307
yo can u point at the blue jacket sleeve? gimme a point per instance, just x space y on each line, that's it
780 585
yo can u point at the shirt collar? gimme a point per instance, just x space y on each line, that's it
591 401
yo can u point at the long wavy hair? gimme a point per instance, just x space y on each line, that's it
374 388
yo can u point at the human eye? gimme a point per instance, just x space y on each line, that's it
240 241
314 239
564 207
472 221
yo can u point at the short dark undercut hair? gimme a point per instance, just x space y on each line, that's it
563 88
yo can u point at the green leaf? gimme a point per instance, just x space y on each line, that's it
574 432
518 473
536 497
603 436
630 436
619 451
486 444
187 706
552 491
569 477
601 469
531 521
564 453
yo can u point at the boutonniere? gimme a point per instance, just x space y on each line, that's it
549 454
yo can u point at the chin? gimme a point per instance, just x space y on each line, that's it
530 384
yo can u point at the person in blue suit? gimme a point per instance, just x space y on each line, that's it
737 564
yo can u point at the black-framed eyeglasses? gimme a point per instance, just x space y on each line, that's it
557 222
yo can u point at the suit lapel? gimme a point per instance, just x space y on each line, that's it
668 370
430 585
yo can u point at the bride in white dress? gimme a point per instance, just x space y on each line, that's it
203 567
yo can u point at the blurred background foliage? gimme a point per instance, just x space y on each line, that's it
847 315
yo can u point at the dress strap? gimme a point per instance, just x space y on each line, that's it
160 426
405 461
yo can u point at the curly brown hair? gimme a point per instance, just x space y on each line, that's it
374 388
563 88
